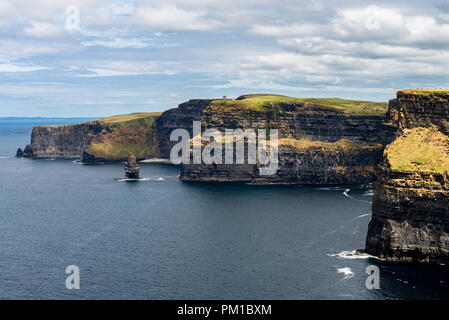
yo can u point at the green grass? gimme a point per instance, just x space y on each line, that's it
425 92
124 118
267 102
353 106
424 150
132 133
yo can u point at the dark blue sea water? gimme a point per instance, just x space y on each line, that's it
164 239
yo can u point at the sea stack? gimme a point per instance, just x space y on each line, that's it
131 168
410 220
27 153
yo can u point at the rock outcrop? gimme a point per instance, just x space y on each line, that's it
131 168
410 220
319 144
26 153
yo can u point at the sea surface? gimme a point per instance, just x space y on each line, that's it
164 239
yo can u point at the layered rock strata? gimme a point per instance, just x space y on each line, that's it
319 145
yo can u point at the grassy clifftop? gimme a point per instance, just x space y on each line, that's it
423 150
267 102
424 92
126 134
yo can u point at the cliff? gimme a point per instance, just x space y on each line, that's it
181 117
108 139
410 218
322 141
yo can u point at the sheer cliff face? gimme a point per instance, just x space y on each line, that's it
318 145
64 141
411 109
302 121
410 218
181 117
313 165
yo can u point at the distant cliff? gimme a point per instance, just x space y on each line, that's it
108 139
146 135
410 218
322 141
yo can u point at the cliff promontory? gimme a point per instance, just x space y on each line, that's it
410 218
108 139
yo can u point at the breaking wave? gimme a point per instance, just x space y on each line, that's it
352 255
347 272
362 215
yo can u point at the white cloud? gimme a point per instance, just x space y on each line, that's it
322 79
118 43
127 68
170 17
42 30
7 66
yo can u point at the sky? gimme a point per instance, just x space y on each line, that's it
93 58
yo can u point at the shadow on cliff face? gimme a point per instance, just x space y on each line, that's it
401 280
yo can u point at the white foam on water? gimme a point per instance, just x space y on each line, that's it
156 160
126 179
368 193
6 157
346 271
345 193
362 215
351 255
160 179
331 188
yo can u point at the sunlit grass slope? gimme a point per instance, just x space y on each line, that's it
126 134
266 102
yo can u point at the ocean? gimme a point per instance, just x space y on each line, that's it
161 238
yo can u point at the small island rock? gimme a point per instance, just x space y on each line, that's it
131 168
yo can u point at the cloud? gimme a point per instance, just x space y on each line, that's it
322 79
127 68
8 66
170 17
315 47
118 43
42 30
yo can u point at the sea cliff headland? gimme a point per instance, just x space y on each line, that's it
411 201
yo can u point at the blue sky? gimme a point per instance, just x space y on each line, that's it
125 56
